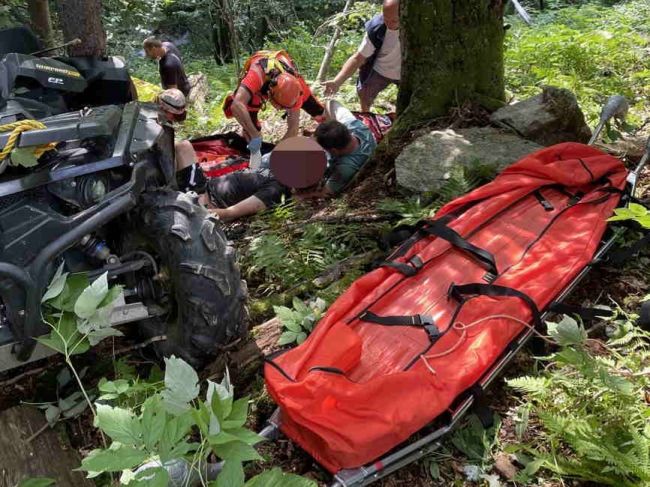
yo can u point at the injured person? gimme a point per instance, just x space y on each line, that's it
297 167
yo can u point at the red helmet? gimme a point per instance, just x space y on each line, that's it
285 92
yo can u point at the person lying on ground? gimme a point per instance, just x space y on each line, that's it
378 59
170 64
173 105
273 77
349 143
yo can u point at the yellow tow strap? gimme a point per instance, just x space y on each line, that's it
18 128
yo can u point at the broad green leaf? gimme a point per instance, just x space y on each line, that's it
181 386
637 210
91 297
153 422
286 316
155 477
74 286
56 286
23 156
222 438
216 410
37 482
65 338
287 338
52 415
247 436
567 332
434 470
300 306
97 335
236 451
120 424
238 414
232 475
301 337
119 386
113 460
172 442
277 478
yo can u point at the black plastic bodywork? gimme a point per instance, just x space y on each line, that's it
126 145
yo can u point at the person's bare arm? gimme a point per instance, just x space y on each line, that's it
323 192
293 123
350 67
240 111
250 206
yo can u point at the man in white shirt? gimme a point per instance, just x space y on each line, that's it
378 59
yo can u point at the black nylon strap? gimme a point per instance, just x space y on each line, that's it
543 201
492 290
418 321
409 269
442 231
585 313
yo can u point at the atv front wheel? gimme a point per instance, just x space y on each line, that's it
205 296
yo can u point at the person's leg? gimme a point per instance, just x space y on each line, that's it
268 193
185 154
189 175
368 91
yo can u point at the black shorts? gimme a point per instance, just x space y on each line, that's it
191 178
232 188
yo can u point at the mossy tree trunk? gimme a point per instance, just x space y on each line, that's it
82 19
39 15
452 52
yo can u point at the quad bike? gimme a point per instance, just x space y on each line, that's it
102 200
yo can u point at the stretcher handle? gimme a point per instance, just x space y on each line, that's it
617 107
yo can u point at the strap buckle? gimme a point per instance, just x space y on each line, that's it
429 325
452 293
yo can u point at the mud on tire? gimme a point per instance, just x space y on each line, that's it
205 287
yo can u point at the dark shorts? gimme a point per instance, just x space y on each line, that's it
312 106
374 84
232 188
191 178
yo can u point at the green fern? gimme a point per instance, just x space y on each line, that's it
592 408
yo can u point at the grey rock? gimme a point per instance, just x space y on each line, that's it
549 118
428 162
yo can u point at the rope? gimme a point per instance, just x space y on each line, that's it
462 328
18 128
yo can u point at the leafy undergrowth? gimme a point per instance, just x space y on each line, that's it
592 50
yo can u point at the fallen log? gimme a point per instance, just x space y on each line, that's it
31 449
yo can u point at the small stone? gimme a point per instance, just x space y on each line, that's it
503 464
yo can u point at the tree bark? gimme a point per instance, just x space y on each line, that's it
39 15
46 455
83 19
452 52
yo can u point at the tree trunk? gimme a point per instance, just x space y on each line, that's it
83 19
30 448
39 15
452 53
331 48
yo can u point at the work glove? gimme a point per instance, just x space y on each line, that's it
255 145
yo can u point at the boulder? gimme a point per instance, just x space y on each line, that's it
428 162
549 118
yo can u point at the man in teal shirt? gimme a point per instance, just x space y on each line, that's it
349 144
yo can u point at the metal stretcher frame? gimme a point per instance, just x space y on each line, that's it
410 453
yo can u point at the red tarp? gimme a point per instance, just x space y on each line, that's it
354 390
